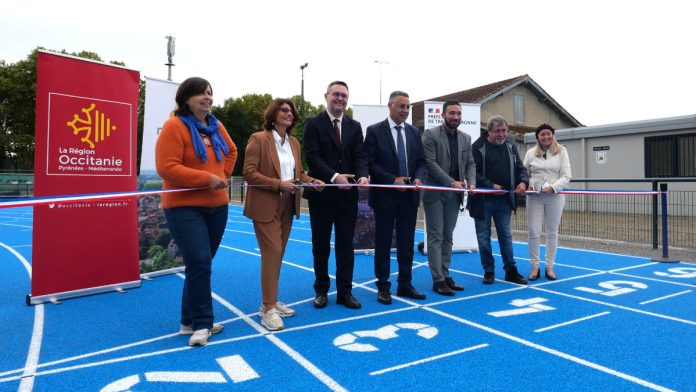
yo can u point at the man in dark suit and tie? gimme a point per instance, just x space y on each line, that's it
333 147
395 154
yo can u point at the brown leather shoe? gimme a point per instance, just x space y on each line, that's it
348 301
442 289
409 292
320 301
453 285
384 297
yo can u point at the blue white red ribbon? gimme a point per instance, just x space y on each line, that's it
43 200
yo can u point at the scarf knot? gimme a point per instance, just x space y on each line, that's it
212 130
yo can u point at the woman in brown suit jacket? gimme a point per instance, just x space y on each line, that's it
272 166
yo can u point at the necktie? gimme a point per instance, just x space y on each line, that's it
401 152
338 130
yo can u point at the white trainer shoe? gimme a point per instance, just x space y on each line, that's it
271 320
282 309
200 337
187 330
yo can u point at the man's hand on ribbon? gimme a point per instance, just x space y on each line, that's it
344 181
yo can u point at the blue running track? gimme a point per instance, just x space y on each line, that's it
609 323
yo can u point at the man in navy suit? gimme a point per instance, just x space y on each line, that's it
333 147
395 154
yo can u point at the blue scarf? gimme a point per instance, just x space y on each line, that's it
212 130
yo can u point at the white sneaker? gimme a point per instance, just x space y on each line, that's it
187 330
271 320
200 337
282 309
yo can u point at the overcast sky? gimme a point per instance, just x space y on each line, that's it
604 61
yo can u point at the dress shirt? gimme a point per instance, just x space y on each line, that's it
392 127
287 160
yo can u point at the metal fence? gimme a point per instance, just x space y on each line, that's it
16 184
634 218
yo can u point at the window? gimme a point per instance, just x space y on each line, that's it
670 156
518 108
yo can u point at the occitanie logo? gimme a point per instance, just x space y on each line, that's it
95 127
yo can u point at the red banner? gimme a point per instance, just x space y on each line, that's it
86 122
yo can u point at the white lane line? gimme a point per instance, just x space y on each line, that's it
284 262
27 383
128 358
654 279
472 348
571 322
568 279
191 377
19 257
105 351
240 250
302 361
250 223
23 226
551 351
665 297
615 306
237 368
30 365
252 233
632 267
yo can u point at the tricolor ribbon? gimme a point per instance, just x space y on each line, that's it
43 200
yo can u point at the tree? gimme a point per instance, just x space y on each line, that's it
17 109
242 117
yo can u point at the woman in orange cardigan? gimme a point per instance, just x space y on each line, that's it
272 166
194 150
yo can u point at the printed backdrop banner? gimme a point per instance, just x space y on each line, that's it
159 104
364 237
464 236
85 142
156 249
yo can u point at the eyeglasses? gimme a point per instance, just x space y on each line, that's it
285 110
340 95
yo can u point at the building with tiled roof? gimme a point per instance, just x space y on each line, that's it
522 102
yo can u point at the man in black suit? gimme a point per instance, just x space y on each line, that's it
333 147
395 154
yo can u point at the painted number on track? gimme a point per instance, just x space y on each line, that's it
612 288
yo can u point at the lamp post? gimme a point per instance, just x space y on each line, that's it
380 62
170 55
302 68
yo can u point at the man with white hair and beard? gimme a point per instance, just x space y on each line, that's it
498 166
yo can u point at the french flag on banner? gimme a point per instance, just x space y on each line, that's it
430 110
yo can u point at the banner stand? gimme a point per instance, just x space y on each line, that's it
56 297
85 143
156 274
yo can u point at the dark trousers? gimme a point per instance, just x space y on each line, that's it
342 217
197 232
402 212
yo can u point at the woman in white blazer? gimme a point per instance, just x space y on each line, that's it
549 173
